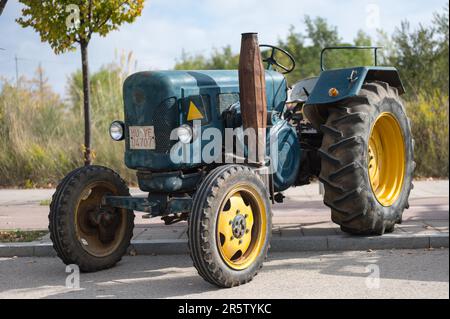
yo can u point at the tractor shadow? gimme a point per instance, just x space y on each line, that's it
132 278
360 264
174 277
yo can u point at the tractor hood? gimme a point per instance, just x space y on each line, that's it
161 100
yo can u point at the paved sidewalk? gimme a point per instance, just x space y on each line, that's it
302 221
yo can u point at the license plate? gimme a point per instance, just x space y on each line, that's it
142 137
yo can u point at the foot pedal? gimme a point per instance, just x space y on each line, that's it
279 197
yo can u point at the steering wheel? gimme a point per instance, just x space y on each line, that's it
271 60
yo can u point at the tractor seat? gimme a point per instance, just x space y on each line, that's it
301 90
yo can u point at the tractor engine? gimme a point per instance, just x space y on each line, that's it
161 109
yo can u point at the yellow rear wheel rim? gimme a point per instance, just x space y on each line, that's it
386 159
241 227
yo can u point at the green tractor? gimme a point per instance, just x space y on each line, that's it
346 127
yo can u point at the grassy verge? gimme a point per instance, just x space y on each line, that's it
19 236
45 202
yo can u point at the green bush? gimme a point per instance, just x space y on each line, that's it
429 122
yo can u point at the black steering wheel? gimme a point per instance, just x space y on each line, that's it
271 60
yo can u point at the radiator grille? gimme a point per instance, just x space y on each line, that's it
165 119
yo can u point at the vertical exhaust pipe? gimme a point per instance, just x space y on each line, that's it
252 86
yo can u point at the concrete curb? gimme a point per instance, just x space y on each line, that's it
287 244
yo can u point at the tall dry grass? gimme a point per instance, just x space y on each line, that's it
42 134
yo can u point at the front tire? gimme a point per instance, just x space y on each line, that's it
83 232
230 226
367 161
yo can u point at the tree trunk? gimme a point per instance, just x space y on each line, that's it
86 103
2 5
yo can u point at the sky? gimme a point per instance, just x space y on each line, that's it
167 27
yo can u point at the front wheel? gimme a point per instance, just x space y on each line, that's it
230 226
367 160
82 231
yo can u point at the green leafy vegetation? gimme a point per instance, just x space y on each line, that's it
429 121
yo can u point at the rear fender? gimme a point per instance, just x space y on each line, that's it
348 83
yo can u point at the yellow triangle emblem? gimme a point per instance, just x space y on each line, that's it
194 113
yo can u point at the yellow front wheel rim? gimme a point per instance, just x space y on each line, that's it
386 159
241 227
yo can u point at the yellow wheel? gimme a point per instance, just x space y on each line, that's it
367 162
83 231
241 227
230 226
386 159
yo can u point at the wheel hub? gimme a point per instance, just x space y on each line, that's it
105 221
239 226
99 229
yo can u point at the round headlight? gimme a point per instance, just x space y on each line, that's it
184 133
116 130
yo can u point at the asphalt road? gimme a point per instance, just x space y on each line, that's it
402 274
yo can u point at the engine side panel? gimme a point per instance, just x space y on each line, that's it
159 101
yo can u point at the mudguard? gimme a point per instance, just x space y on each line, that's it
348 83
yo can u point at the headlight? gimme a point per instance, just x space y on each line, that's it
116 130
184 133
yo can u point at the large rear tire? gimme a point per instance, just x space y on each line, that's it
230 226
367 160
